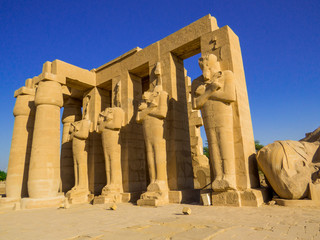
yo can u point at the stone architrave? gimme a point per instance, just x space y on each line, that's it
213 93
79 133
110 122
292 168
152 113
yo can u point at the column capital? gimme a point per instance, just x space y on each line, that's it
46 76
50 93
25 91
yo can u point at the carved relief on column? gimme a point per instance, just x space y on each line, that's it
71 113
24 110
44 172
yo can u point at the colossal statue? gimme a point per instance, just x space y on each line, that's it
213 93
79 133
291 168
151 113
109 124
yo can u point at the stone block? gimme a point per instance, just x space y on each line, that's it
254 197
31 203
8 203
113 207
186 211
111 198
229 198
175 196
297 203
149 202
314 191
205 199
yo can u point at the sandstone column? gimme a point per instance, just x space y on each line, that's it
44 172
71 114
19 158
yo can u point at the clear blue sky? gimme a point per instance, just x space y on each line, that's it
279 40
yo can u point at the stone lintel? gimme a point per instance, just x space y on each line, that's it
24 91
118 59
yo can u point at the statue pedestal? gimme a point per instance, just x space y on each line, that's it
79 196
249 198
298 203
153 199
6 202
112 198
30 203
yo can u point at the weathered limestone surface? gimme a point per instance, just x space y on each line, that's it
79 133
155 157
152 113
71 113
200 163
292 168
109 125
44 170
24 111
213 93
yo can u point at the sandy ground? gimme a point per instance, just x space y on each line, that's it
134 222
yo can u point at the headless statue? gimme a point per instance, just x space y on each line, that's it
109 124
151 113
292 168
79 132
213 93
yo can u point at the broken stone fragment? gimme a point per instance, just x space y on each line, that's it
113 207
186 211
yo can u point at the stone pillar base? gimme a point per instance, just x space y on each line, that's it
9 203
31 203
154 199
112 198
249 198
151 202
298 203
78 197
184 196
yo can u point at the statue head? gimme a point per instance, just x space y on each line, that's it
209 65
146 95
108 114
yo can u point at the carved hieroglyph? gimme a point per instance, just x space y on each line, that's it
109 124
291 167
79 133
213 93
152 112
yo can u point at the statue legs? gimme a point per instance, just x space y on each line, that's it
219 130
79 193
157 190
112 154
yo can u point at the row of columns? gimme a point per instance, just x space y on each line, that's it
36 137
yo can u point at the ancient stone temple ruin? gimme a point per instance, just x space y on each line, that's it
131 128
